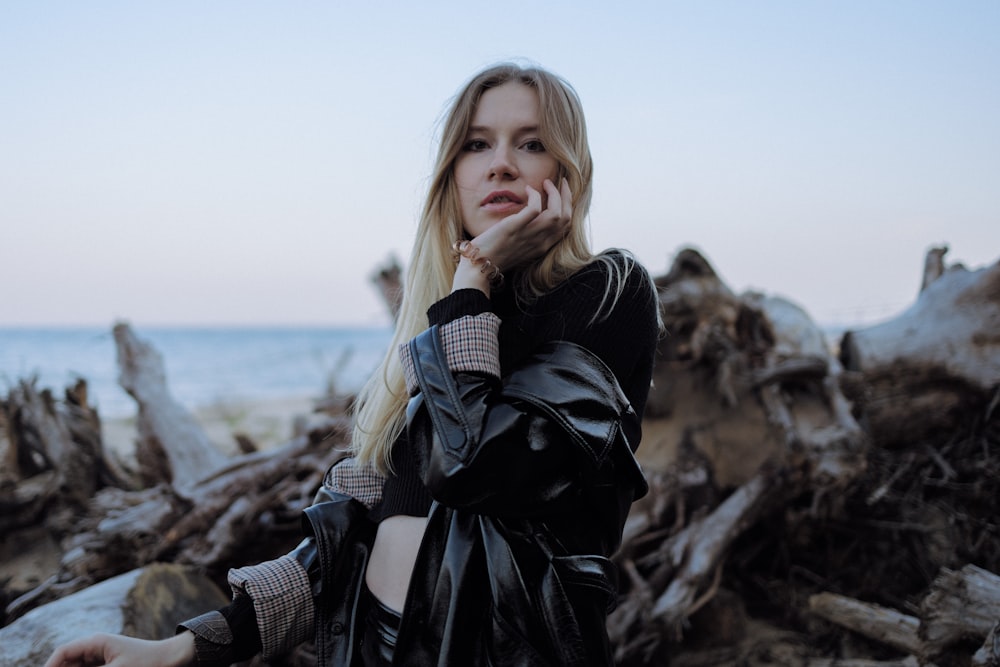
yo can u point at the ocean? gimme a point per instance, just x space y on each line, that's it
204 365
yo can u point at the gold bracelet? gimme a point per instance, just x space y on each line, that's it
468 250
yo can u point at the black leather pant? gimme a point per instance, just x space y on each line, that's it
381 628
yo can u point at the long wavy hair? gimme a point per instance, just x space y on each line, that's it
381 404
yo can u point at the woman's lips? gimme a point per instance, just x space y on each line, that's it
502 201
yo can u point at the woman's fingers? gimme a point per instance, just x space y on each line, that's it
88 651
558 207
533 208
532 231
559 211
555 199
560 204
567 200
121 651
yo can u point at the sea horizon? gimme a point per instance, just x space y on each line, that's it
205 364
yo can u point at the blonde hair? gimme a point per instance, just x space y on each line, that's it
381 404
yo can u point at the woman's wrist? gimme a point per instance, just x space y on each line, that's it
470 254
469 275
179 649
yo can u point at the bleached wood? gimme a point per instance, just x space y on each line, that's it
989 654
908 661
871 620
698 550
144 603
961 604
927 367
172 447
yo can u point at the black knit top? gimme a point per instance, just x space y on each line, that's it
625 340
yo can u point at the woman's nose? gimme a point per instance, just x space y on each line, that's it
503 165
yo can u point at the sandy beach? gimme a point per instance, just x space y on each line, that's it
268 423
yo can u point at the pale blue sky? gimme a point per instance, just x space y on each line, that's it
252 162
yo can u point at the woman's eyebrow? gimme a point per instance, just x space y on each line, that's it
521 130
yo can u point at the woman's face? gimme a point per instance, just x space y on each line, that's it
502 155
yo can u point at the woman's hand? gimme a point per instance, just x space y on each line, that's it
119 651
522 237
531 232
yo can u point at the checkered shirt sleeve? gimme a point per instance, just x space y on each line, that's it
361 482
282 601
280 589
470 344
213 638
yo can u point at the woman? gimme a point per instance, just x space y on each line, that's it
493 449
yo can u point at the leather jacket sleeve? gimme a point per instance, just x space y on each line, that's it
518 445
335 556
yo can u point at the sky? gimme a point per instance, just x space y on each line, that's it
252 163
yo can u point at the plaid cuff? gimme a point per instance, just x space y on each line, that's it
470 344
282 600
360 482
213 639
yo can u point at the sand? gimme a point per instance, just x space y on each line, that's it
267 422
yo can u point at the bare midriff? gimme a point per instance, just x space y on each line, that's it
393 555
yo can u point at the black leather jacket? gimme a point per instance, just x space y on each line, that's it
532 478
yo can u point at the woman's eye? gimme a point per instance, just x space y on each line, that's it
475 145
534 146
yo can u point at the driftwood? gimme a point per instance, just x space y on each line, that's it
748 427
742 380
143 603
57 440
230 512
908 661
776 479
684 567
388 279
989 654
172 447
745 401
928 369
961 604
872 620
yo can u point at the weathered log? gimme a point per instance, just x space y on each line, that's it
871 620
10 467
24 504
926 370
128 529
215 520
961 604
908 661
750 434
59 462
799 387
989 654
695 555
934 266
144 603
273 487
44 438
54 456
744 379
172 447
389 281
745 396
